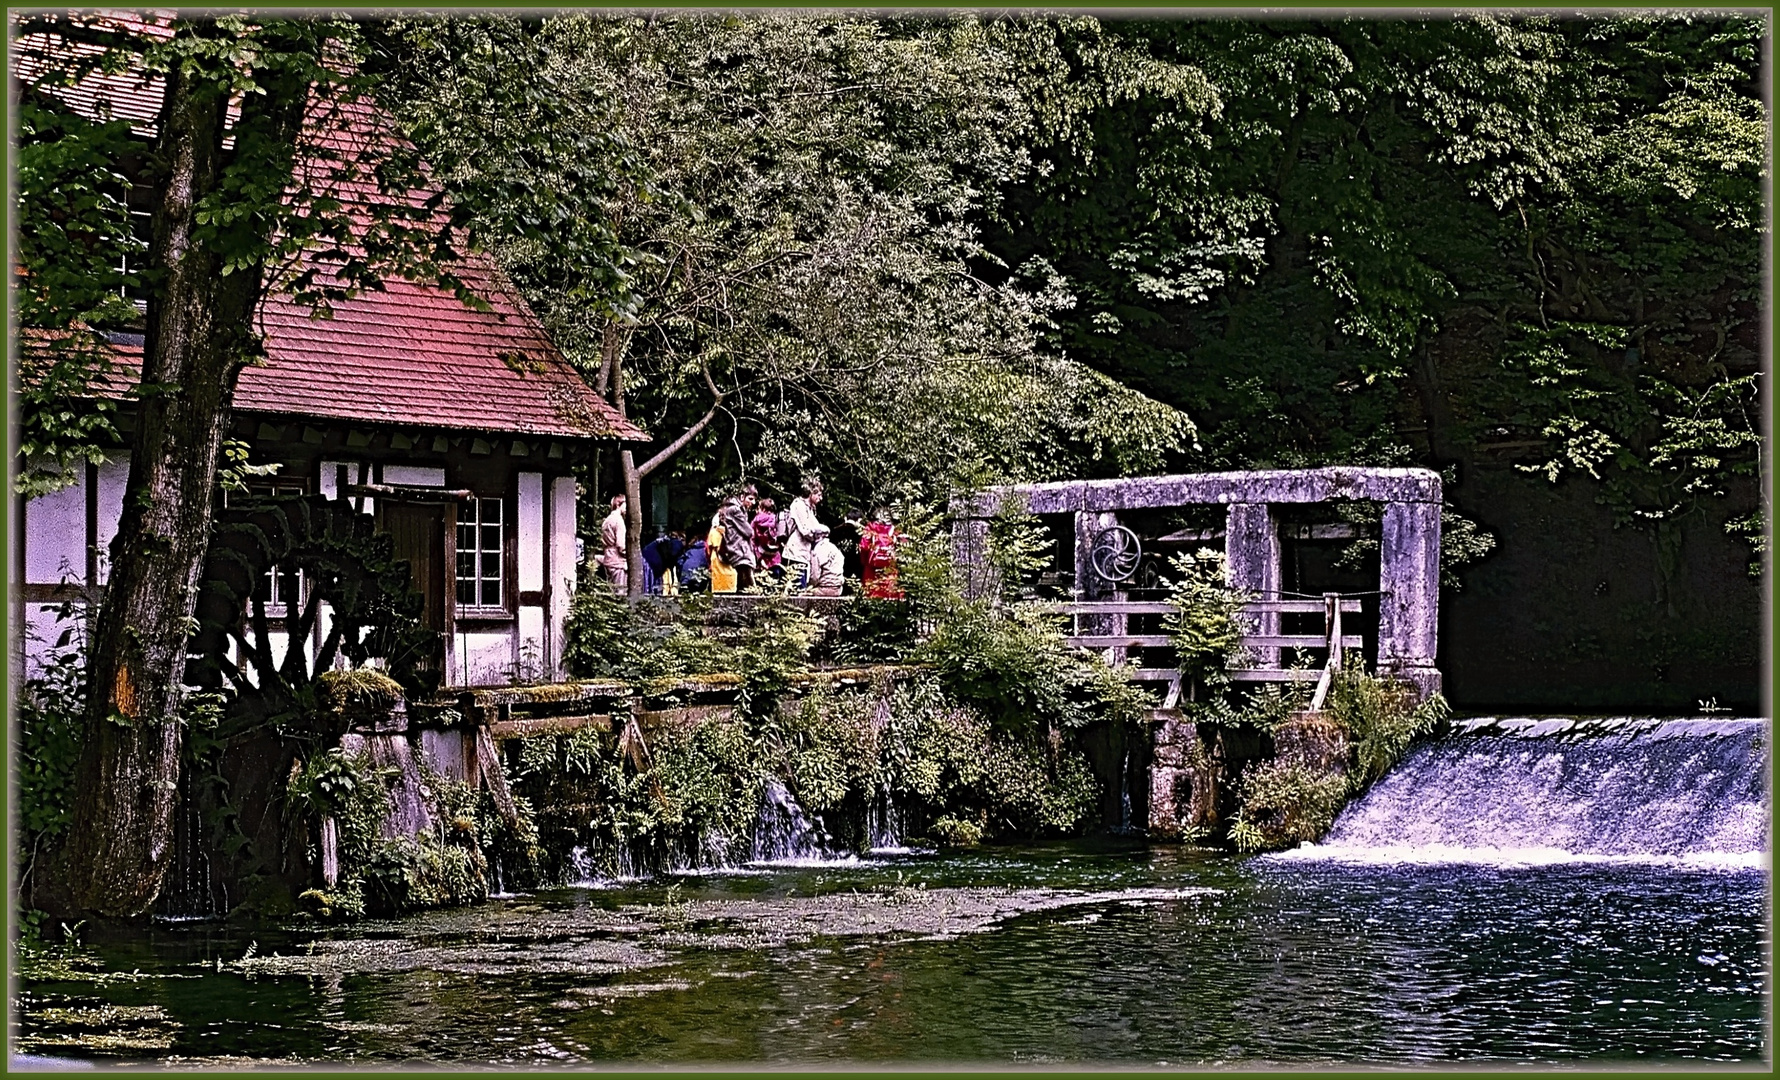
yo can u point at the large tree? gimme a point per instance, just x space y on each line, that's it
1433 239
269 168
803 198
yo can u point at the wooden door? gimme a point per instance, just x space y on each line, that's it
420 531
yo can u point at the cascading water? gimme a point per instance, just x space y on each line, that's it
885 825
1687 792
783 833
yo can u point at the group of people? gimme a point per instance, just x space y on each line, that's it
750 542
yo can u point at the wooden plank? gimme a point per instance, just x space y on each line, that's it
1275 674
1296 606
548 725
551 694
1114 607
1153 674
1299 641
1116 641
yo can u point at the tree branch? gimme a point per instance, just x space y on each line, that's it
689 434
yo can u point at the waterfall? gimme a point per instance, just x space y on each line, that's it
190 889
885 826
1685 792
1125 824
783 833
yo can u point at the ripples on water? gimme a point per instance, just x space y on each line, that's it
1282 960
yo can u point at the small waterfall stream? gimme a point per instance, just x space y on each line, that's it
1687 792
783 833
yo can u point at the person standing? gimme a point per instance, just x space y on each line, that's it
723 576
766 539
613 557
827 574
800 537
738 536
877 557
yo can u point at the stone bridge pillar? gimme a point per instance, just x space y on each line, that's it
1251 544
970 557
1088 584
1409 584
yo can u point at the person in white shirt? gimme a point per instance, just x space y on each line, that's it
614 559
826 575
800 537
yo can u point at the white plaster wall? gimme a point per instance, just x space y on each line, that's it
484 658
46 635
560 568
531 532
534 660
357 472
114 473
416 475
55 536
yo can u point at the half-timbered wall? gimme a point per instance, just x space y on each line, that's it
63 537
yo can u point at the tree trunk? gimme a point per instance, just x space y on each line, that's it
199 335
633 512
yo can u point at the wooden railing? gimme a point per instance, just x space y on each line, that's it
1333 638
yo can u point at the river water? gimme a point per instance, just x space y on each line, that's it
1073 953
1536 894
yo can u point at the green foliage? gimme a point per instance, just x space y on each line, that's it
876 631
696 796
346 688
953 832
50 720
938 754
1285 803
1013 665
235 470
74 238
1502 240
419 872
652 640
799 200
1207 623
1018 547
1382 718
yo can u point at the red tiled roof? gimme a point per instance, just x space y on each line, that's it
416 355
411 353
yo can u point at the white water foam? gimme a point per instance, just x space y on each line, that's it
1682 794
1515 858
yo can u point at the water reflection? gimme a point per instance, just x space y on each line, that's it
1178 957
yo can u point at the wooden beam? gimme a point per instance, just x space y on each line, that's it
548 725
1296 606
1300 641
1275 674
1128 641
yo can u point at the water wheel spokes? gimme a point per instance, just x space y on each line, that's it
1115 554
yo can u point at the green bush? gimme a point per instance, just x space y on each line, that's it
50 710
1207 622
1285 803
1381 718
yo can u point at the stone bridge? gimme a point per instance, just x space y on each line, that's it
1409 557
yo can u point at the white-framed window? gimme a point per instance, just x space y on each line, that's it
481 555
279 588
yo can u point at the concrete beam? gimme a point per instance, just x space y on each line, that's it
1188 489
1251 544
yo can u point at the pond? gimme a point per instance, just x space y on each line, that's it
1086 953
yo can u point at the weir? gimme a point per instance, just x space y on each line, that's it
1555 789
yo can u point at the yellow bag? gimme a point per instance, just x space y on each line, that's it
722 574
